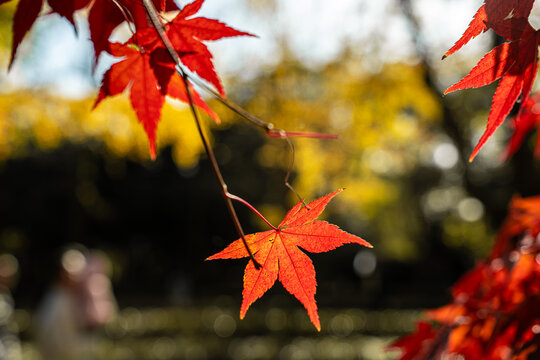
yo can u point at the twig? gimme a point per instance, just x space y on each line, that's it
158 25
268 127
127 16
289 171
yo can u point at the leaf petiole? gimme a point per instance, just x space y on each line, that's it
251 207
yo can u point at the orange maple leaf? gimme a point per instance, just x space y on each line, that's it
278 252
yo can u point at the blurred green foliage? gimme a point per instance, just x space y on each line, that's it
214 332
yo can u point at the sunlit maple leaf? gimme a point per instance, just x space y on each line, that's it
187 33
145 95
492 12
148 82
278 253
514 62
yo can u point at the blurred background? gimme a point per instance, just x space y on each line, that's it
75 183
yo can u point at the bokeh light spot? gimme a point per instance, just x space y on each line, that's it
73 261
470 209
445 156
224 325
342 325
276 319
364 263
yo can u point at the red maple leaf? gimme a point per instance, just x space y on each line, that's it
492 12
148 82
145 94
514 62
103 18
278 252
187 33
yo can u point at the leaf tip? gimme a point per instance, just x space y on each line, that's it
444 56
476 150
152 151
11 60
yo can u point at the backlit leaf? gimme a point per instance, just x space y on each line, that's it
277 251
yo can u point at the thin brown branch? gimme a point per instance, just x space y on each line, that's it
156 21
268 127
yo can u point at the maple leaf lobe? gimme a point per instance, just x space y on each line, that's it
187 33
475 28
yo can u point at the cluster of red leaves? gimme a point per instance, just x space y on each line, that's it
278 253
495 312
146 68
514 62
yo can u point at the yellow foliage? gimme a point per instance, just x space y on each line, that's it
380 118
36 118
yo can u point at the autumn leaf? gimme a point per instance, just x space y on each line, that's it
187 33
278 251
104 16
514 62
145 95
148 82
492 12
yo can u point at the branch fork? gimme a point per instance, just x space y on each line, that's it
267 127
